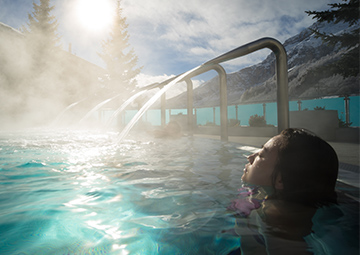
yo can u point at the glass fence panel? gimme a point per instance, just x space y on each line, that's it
211 115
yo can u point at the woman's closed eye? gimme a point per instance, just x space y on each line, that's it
251 158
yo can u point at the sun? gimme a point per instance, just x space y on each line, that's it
94 15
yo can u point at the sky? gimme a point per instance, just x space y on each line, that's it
171 36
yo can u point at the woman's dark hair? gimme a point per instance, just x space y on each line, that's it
308 167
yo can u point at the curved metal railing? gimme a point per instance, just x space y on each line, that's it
214 64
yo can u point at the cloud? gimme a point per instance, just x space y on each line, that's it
172 37
200 51
197 30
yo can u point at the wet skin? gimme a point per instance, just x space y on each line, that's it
261 165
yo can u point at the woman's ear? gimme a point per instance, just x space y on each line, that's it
278 183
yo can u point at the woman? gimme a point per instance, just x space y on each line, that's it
294 174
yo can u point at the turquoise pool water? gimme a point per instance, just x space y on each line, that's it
79 193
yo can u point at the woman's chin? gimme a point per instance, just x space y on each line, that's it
243 177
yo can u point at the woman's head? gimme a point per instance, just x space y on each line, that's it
260 169
304 170
308 167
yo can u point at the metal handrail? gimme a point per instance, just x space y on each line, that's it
214 64
223 95
281 72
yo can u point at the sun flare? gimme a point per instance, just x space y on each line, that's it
94 15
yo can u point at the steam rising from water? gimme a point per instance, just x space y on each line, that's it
97 107
149 103
57 88
34 88
122 107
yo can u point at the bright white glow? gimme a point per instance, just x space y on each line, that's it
94 15
122 249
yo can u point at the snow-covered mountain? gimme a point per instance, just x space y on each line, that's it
257 83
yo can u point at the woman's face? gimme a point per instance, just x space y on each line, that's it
261 164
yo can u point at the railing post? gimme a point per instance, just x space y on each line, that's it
163 110
236 112
214 116
190 105
281 72
224 133
282 85
223 95
264 111
347 109
195 117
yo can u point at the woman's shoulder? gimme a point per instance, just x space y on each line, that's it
291 219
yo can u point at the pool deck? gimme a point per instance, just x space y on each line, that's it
348 154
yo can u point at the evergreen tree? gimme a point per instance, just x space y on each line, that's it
42 38
119 58
348 12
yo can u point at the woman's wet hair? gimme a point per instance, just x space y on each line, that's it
308 167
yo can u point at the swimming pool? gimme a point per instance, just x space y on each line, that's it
76 192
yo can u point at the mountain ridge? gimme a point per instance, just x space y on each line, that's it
257 83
